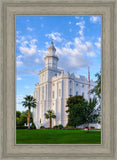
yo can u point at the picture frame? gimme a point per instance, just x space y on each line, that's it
107 9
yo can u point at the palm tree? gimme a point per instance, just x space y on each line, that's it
29 102
92 112
97 88
49 115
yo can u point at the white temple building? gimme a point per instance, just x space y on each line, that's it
54 88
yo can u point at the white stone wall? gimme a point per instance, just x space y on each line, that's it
52 93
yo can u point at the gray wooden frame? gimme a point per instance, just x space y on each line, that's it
107 9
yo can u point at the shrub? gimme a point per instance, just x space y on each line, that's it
49 128
69 127
60 126
56 127
92 127
21 127
42 127
33 126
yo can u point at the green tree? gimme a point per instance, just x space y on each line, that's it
49 115
81 111
29 102
97 88
25 114
75 106
18 114
21 118
91 113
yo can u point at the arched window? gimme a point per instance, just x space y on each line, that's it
70 91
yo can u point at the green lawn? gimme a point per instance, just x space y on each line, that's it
24 136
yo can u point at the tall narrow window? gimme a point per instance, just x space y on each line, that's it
43 77
59 92
77 93
43 92
70 91
53 94
83 94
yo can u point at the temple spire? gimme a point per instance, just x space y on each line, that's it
51 49
51 58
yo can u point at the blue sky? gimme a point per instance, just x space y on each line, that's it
78 45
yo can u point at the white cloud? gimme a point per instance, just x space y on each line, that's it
72 62
69 22
28 71
55 36
91 54
75 54
89 46
98 43
29 29
19 78
95 19
81 24
72 54
19 63
28 47
19 57
99 39
78 47
19 98
68 44
77 17
46 44
27 87
17 41
30 56
19 38
38 61
28 51
81 32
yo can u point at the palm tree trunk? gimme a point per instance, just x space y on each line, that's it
28 117
88 128
50 123
27 120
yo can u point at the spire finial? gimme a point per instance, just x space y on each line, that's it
52 41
